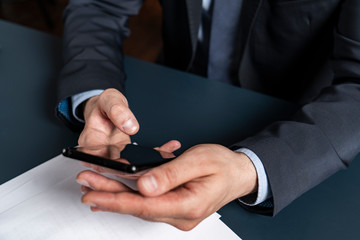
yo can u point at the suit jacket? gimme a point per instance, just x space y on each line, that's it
305 51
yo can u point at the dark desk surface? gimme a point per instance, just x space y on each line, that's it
169 105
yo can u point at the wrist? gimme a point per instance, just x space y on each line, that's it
246 175
263 188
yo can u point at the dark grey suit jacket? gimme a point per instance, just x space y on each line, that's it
305 51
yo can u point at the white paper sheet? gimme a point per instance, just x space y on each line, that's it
44 203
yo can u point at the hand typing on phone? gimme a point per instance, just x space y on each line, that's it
108 120
181 192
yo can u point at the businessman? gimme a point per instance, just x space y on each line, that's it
304 51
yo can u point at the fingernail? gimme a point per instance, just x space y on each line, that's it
130 126
149 183
91 204
83 182
84 190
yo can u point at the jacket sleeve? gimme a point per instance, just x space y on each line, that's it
323 136
92 47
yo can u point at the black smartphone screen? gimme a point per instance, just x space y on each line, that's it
127 158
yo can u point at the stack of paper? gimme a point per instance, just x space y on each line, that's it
44 203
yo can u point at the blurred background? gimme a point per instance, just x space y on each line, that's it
46 16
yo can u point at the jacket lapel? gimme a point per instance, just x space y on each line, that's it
194 8
249 14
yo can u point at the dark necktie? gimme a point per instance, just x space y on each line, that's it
200 64
223 58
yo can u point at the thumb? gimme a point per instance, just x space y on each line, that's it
168 176
115 106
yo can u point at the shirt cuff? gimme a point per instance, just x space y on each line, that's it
79 98
264 191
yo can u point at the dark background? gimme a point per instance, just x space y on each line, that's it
46 16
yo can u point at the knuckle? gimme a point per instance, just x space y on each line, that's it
104 95
207 156
112 203
143 213
200 149
113 94
108 91
196 213
171 175
201 152
117 110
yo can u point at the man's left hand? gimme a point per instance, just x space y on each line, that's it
182 192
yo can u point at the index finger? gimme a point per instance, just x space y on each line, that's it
169 205
115 106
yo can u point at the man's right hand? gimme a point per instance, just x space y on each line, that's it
108 120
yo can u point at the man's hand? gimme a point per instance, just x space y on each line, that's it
108 120
182 192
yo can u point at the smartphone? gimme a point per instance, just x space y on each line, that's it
127 158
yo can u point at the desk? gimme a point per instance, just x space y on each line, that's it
169 105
